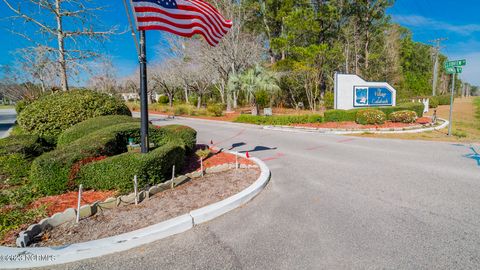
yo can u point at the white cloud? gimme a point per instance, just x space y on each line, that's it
420 21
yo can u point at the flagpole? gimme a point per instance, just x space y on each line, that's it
143 94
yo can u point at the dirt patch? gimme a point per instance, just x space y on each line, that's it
353 125
192 162
192 195
59 203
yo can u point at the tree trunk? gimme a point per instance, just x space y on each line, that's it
61 48
199 101
185 89
170 100
235 99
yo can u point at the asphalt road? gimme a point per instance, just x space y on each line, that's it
334 202
7 119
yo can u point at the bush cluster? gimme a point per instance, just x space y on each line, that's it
351 115
280 120
16 155
52 172
433 102
91 125
54 113
340 115
163 100
403 116
118 171
370 117
215 109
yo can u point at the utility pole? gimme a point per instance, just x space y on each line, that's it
435 67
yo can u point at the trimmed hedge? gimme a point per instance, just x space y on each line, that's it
371 117
173 132
53 172
54 113
28 145
340 115
351 115
16 155
117 172
91 125
280 120
433 102
403 116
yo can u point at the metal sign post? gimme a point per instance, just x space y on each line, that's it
451 106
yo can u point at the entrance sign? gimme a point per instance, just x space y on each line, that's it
456 63
365 96
351 91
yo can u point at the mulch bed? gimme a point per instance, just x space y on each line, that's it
192 195
58 203
353 125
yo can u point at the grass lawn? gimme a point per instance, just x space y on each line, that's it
465 128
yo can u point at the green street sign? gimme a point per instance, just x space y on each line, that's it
456 63
453 70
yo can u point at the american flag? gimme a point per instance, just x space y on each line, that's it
182 17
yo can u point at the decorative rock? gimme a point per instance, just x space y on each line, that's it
180 180
196 174
219 168
154 190
141 196
85 211
109 203
44 224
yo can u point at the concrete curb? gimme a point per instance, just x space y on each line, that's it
346 132
45 256
214 210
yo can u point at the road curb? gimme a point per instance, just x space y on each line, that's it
45 256
346 132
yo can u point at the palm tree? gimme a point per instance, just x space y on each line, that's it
252 81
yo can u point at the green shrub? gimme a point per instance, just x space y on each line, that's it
444 99
370 117
117 172
91 125
14 168
215 109
54 113
182 110
328 99
53 172
28 145
403 116
279 119
21 105
187 134
163 100
433 102
262 98
340 115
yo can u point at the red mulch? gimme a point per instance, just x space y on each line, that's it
353 125
192 162
58 203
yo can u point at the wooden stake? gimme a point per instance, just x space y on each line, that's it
135 188
79 202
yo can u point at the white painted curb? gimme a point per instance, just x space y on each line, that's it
45 256
212 211
345 132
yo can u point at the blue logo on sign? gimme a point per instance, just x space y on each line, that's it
372 96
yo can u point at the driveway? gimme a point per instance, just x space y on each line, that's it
334 202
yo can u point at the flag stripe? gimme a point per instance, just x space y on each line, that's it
179 19
148 7
168 28
145 21
182 17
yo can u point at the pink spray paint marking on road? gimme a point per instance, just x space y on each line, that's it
345 140
276 156
315 147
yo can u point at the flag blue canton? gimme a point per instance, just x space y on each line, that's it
163 3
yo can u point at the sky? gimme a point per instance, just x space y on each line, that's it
458 21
